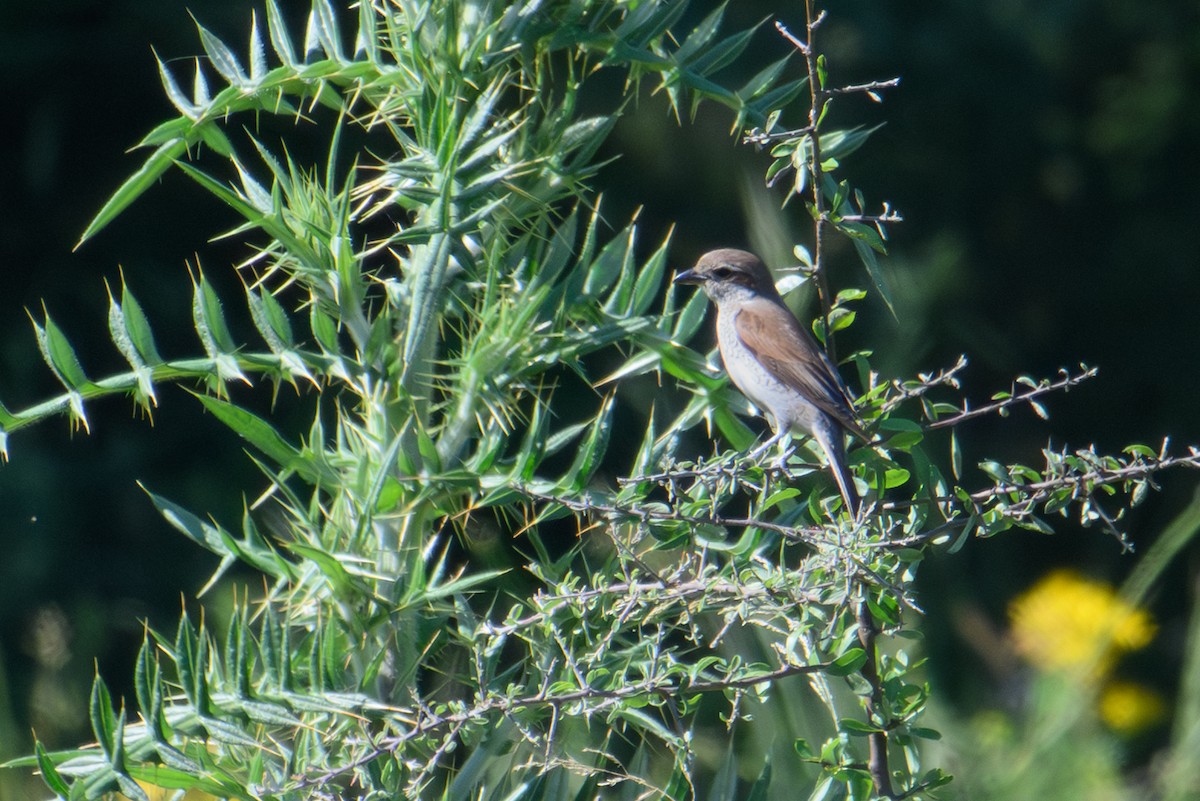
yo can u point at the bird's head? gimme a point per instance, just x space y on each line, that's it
729 274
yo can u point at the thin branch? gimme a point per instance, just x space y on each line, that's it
1100 477
877 759
424 721
874 219
819 97
1038 492
729 465
1066 382
925 382
869 88
811 535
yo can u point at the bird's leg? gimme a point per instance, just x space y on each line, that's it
785 453
766 446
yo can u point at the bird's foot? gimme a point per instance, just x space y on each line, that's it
765 447
782 461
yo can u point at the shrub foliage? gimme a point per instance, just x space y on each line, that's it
468 593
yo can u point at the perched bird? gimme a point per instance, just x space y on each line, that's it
774 361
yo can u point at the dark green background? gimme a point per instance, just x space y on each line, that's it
1043 155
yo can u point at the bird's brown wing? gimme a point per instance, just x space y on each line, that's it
774 335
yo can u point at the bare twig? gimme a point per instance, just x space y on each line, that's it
874 219
869 88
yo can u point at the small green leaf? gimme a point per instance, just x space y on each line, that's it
210 319
875 271
1035 523
803 749
885 610
210 133
324 20
716 57
700 36
996 471
777 497
956 457
849 662
340 580
228 733
763 80
895 477
856 727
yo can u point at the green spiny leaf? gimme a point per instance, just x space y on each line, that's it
50 774
721 55
271 320
763 80
324 22
222 58
60 356
690 318
649 280
607 266
265 438
104 721
699 38
176 95
591 451
258 55
279 35
138 327
149 173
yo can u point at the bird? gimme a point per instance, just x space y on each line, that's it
775 363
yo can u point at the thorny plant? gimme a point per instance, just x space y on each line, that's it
469 593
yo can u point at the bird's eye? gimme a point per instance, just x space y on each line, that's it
723 273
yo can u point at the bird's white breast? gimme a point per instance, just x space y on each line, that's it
786 407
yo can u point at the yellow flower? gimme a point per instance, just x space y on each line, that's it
1129 708
1068 623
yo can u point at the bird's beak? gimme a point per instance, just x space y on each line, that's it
688 277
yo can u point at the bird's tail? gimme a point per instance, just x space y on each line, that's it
835 451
